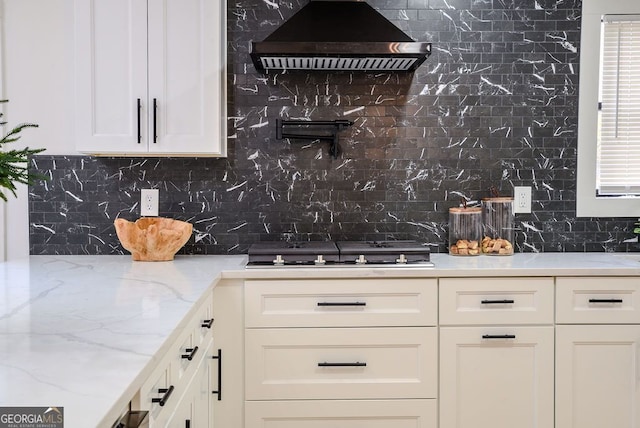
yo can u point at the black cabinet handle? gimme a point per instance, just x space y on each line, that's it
498 336
219 358
605 300
155 133
139 107
356 364
342 303
191 353
163 400
207 323
498 302
187 423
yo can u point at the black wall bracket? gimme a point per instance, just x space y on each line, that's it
334 127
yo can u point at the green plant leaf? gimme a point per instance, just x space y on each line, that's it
14 163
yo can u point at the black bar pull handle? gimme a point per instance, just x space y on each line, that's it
219 358
605 300
356 364
207 323
155 133
191 353
187 423
498 336
138 108
163 400
342 304
498 302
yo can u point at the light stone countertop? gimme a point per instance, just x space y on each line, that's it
81 332
84 332
527 264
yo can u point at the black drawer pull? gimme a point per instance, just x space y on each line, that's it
498 302
342 303
356 364
498 336
191 353
207 323
163 400
605 300
219 358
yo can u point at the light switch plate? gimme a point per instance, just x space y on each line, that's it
149 202
521 199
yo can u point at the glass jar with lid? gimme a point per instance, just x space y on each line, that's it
498 221
465 231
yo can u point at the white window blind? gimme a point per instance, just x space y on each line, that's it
618 159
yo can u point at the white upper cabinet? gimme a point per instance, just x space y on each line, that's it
150 77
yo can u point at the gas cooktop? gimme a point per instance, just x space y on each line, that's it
339 254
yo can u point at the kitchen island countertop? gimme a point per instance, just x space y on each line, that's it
83 332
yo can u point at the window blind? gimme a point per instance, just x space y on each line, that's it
618 159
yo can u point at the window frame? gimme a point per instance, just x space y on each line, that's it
587 203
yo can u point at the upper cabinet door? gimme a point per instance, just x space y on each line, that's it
111 75
187 76
151 77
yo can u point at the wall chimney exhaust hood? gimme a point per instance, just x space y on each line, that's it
338 35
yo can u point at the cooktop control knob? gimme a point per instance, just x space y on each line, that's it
320 260
361 260
279 261
402 259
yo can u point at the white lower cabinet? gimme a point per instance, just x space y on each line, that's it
496 377
597 376
500 352
191 404
178 393
342 414
341 353
597 352
496 352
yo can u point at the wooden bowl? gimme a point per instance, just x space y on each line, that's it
153 238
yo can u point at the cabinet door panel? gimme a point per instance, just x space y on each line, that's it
597 378
111 75
186 75
342 414
493 382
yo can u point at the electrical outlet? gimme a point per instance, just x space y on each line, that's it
522 199
149 202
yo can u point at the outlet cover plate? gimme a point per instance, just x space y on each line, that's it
149 202
521 199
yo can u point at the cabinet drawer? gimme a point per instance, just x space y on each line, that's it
341 363
190 346
604 300
341 303
496 301
343 414
203 322
159 386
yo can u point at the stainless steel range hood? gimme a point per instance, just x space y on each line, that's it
339 35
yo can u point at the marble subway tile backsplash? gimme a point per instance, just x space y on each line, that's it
495 105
